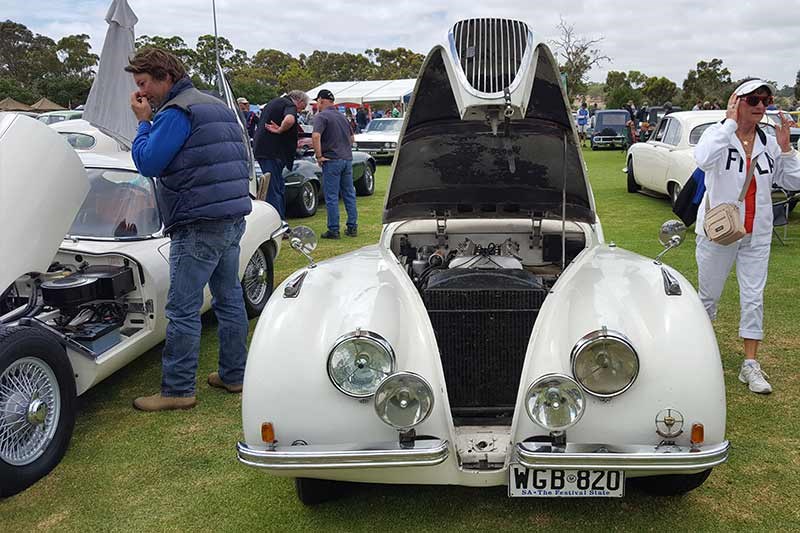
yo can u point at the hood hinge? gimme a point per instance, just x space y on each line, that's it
535 238
441 227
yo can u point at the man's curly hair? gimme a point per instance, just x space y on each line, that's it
156 62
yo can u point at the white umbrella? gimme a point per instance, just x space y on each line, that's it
108 106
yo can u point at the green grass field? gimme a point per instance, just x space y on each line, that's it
177 471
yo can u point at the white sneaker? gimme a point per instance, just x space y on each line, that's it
752 374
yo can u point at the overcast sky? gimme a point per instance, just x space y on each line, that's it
752 38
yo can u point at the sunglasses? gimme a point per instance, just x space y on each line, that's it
753 100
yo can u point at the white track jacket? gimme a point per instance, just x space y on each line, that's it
721 156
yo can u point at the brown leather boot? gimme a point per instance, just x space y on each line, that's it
156 402
215 381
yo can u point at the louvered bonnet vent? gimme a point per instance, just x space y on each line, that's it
491 52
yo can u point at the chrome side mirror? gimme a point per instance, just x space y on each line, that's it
304 240
671 236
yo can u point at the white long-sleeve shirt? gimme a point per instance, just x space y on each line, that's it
721 156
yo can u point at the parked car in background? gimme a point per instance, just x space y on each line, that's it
491 337
304 181
380 137
665 162
83 285
609 129
51 117
84 137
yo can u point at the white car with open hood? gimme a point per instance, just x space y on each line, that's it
491 336
75 309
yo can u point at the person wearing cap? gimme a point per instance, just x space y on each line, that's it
275 143
333 148
725 152
250 118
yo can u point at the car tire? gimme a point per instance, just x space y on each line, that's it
674 192
34 370
594 147
632 185
671 485
307 201
365 186
258 280
312 492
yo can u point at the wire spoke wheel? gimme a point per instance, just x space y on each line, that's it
30 407
309 197
256 278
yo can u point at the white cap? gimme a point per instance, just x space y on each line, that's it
750 86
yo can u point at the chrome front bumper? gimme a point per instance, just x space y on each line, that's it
377 455
435 451
629 458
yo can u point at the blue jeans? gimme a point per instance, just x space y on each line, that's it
204 252
277 185
337 177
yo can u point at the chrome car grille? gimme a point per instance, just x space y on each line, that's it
490 51
372 145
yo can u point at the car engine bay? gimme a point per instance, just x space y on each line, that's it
483 293
90 307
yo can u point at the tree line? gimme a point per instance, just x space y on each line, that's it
33 65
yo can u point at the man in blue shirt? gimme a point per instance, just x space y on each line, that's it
195 147
583 120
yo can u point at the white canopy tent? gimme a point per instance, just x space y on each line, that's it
361 92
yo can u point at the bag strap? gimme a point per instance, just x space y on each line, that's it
747 181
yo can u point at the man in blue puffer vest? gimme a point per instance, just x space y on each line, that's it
195 147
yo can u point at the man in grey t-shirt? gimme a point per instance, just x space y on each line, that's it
333 140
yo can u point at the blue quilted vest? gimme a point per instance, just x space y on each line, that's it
208 178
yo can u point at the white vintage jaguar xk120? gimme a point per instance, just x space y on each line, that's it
492 336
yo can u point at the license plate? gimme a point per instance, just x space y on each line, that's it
547 483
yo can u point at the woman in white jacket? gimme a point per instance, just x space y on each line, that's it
725 152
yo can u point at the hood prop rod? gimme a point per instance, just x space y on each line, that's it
564 207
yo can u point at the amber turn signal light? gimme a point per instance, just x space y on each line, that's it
698 434
268 433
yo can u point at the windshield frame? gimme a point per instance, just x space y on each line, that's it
156 235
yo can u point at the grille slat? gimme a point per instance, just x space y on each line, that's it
483 334
490 51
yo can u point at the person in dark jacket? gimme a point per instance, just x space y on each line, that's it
250 118
276 143
195 147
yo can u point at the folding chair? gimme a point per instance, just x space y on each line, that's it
780 212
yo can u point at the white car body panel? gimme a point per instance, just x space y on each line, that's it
103 144
31 187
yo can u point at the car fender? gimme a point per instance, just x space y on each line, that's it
679 360
365 289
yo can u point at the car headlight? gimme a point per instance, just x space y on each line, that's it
555 402
392 145
605 363
404 400
355 146
387 145
359 361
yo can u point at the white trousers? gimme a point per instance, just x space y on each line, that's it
714 263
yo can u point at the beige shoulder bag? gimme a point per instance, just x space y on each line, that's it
723 224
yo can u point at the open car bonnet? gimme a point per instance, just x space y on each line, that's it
42 186
489 133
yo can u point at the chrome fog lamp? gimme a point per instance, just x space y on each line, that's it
555 402
359 361
404 400
605 363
